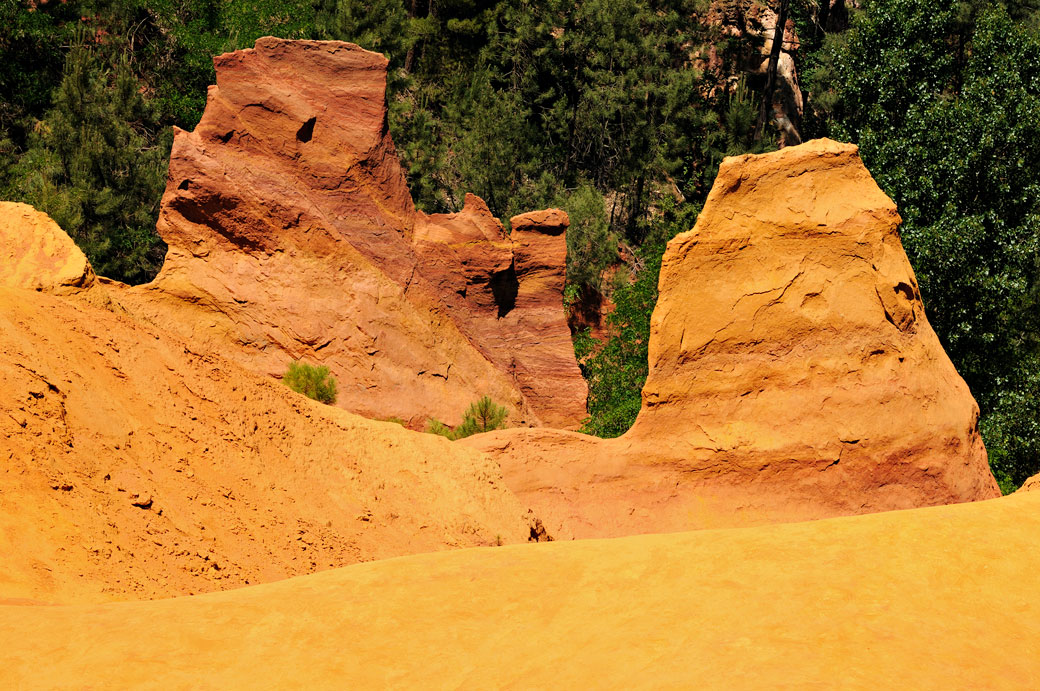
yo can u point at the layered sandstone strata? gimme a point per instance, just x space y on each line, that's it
292 235
793 373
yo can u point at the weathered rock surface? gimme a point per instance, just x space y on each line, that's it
35 254
135 467
793 373
505 293
292 235
1032 483
933 598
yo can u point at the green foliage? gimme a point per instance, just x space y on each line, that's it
483 415
524 102
591 246
734 133
944 102
617 371
31 58
312 381
95 167
435 426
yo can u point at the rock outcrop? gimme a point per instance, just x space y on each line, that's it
135 466
36 254
793 373
933 598
292 235
505 293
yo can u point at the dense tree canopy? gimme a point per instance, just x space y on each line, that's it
944 102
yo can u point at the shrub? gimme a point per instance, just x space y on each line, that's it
482 416
312 381
434 426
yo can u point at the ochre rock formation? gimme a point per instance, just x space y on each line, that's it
135 466
1032 483
793 373
36 254
505 293
932 598
292 235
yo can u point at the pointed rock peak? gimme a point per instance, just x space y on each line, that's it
36 254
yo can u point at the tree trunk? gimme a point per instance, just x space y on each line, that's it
774 59
839 16
821 18
409 57
635 209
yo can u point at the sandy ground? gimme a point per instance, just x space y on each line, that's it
941 597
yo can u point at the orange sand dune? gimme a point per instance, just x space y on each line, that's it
932 598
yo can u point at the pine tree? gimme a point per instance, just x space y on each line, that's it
94 165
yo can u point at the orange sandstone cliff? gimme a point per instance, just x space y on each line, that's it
135 466
793 373
292 234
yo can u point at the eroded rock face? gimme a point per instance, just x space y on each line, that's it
805 337
36 254
505 293
136 467
292 235
793 373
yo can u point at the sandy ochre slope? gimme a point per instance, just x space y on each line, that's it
134 467
932 598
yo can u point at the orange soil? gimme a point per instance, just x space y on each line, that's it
931 598
134 467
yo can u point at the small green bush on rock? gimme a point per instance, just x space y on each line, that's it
435 426
482 416
312 381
